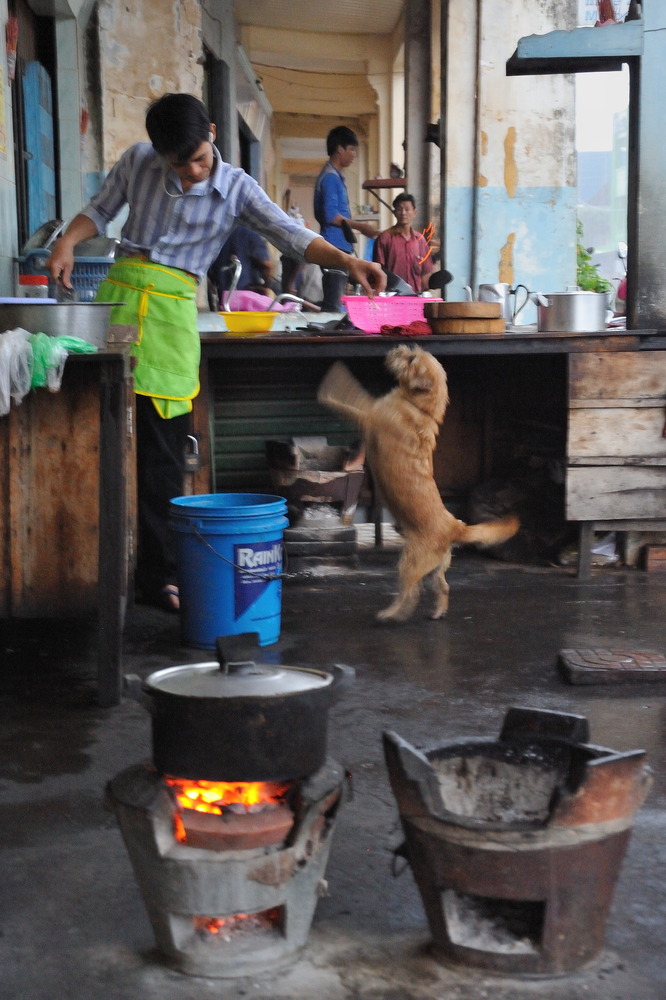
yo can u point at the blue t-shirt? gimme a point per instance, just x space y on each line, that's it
331 199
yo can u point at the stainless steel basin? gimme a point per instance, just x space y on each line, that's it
87 320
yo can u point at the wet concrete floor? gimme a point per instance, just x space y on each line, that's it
72 921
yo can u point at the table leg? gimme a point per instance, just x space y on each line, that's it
113 556
585 537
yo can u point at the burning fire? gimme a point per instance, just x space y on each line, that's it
228 927
216 796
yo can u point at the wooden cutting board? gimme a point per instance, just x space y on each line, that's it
442 326
462 310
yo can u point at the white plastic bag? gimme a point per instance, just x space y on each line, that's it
15 367
5 390
20 372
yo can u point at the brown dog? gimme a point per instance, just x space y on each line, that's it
400 431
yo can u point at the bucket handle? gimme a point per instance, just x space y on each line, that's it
243 569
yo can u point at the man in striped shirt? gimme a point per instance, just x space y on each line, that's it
183 202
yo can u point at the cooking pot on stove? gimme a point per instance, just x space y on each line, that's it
240 720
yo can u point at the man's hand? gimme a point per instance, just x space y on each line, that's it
61 262
363 272
367 274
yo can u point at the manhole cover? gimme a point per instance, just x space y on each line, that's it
610 666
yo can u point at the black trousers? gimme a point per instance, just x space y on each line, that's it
160 456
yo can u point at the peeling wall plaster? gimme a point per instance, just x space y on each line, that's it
510 165
511 169
506 266
146 48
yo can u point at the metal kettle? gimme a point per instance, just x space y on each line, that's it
501 292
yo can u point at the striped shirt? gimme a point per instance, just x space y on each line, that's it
187 230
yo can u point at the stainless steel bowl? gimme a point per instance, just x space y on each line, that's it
87 320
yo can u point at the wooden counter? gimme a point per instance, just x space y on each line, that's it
68 506
619 477
303 345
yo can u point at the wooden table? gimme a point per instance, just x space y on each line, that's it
628 389
68 506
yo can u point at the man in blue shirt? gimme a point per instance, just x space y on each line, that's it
184 201
331 209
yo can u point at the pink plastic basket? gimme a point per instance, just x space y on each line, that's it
370 315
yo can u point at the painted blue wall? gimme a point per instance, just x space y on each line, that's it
540 222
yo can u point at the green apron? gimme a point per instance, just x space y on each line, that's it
161 302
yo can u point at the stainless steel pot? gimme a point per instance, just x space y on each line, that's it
240 720
571 312
87 320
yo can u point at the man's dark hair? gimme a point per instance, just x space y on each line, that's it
340 136
177 124
403 196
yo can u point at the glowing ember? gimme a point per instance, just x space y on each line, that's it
218 796
239 923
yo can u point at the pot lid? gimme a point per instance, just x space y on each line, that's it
242 679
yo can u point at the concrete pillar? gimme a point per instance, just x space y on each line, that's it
380 141
8 225
417 103
646 298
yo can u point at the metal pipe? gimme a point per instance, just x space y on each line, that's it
286 297
473 243
237 267
443 127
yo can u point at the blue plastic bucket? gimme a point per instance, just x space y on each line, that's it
229 558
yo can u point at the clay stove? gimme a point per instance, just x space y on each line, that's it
516 844
229 827
230 873
321 484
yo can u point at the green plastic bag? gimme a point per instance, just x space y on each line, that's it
74 345
48 358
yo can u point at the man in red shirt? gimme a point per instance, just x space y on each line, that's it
401 249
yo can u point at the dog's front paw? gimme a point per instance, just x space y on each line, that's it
391 614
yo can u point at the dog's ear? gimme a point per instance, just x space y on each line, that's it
398 361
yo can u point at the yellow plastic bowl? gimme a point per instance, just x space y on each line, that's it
247 324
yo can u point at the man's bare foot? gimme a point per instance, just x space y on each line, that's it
169 598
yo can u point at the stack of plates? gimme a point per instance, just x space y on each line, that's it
465 317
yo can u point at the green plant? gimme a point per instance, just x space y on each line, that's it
587 274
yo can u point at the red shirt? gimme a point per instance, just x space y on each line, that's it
405 257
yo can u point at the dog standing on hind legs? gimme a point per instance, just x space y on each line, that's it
400 431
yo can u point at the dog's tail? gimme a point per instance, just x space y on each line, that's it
489 532
340 391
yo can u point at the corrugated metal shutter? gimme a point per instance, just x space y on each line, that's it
263 401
